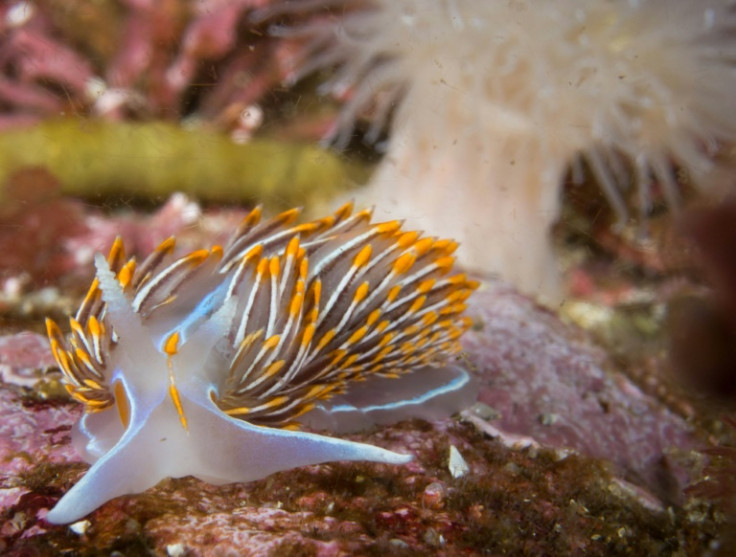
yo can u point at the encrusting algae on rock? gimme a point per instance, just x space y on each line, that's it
206 364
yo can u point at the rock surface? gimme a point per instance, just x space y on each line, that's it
546 380
544 389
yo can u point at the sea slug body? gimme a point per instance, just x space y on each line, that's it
208 364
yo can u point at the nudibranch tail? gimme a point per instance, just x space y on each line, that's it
264 332
218 449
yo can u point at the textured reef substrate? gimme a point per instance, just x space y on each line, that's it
564 453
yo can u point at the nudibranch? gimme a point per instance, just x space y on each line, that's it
209 363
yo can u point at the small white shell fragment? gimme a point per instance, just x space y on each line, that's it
80 527
175 549
19 14
457 465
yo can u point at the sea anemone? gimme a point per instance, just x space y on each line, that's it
493 100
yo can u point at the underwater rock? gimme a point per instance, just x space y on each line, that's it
542 380
547 381
22 356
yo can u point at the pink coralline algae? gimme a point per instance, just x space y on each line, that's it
256 531
33 436
136 58
31 431
23 357
32 56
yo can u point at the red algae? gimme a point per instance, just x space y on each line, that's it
142 59
35 221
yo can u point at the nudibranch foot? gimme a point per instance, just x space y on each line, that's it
208 364
429 394
216 448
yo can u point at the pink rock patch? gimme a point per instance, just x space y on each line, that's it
546 381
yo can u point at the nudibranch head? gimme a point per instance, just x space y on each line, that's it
204 350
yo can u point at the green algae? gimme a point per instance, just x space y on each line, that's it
537 502
150 160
